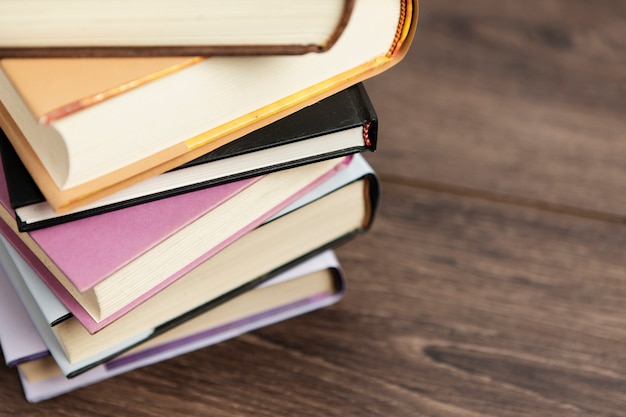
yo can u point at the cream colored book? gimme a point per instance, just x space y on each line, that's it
129 133
35 28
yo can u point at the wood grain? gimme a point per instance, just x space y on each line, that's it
520 98
493 280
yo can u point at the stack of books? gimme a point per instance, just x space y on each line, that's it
179 176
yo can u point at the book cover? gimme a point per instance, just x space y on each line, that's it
339 125
187 27
42 379
149 246
213 102
277 245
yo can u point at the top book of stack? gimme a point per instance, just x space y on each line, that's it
47 28
116 129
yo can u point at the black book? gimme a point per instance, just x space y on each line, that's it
342 124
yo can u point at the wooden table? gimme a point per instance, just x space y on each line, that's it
493 282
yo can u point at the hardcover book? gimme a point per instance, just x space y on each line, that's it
310 285
36 28
110 263
268 250
339 125
56 311
131 134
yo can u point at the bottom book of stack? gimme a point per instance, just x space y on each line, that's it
312 284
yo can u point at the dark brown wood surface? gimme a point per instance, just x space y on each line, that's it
493 282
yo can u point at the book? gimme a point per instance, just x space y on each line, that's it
23 343
56 311
308 286
161 124
279 244
110 263
339 125
49 297
36 28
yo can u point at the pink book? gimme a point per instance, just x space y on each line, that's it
103 266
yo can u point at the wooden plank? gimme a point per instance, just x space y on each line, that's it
520 98
455 307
